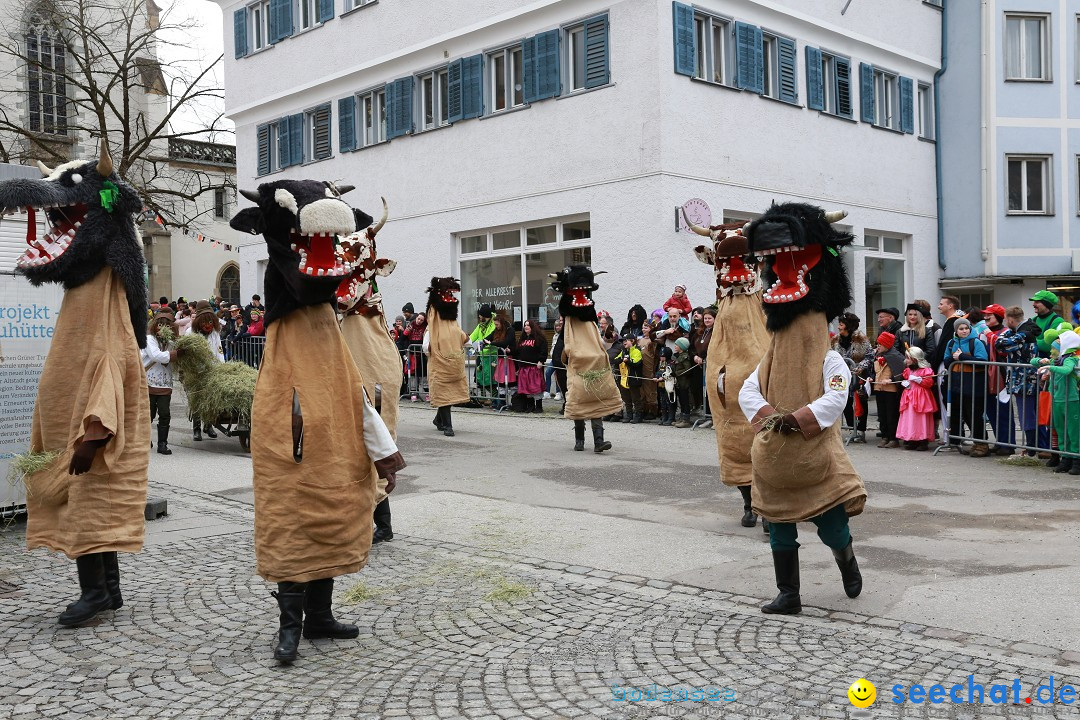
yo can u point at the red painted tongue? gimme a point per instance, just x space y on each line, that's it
736 269
321 254
31 226
788 265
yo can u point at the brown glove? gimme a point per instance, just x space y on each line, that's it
82 457
788 425
391 482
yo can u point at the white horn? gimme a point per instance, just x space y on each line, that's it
835 216
703 232
382 221
45 169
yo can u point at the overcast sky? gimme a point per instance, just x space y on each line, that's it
205 44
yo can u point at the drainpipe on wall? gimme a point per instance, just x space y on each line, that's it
988 76
937 132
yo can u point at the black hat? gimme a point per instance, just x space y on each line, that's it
917 308
485 311
891 311
407 307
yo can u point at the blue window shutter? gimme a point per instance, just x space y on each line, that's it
284 146
749 57
240 32
548 80
597 71
454 107
843 87
346 112
280 20
528 69
685 39
472 86
866 91
296 138
787 70
325 10
262 141
907 105
815 85
407 94
320 132
390 101
399 107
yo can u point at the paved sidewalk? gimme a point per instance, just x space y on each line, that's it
451 630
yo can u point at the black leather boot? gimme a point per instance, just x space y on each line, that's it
438 421
764 526
163 440
209 430
290 600
94 598
849 570
112 579
383 530
786 567
448 424
319 619
599 444
636 419
1064 465
749 519
538 405
579 435
196 431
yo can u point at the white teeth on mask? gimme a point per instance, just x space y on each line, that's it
321 272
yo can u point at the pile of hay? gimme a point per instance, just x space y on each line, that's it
214 389
23 466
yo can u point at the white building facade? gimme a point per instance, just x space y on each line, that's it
510 145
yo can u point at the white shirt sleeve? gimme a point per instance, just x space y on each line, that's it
427 342
750 398
836 378
377 439
153 353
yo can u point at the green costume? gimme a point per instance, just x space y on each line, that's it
1050 322
1066 408
485 362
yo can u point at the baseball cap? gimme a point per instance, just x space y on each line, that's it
1045 296
994 309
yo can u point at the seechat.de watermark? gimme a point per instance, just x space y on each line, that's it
975 693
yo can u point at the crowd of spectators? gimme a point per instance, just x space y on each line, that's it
239 330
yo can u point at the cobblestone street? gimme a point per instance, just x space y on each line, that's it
450 631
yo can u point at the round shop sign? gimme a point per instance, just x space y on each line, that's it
699 213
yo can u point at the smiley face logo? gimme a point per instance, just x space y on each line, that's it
862 693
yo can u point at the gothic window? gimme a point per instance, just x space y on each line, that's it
47 102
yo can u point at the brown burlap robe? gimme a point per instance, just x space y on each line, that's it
93 371
446 361
313 517
739 339
377 358
590 387
796 479
648 369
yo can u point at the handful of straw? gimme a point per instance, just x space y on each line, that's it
593 380
25 465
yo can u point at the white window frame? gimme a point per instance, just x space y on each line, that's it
1045 62
925 118
312 7
309 133
707 30
572 59
770 59
440 100
272 146
886 99
514 98
1078 184
377 96
259 25
1047 179
1076 49
353 4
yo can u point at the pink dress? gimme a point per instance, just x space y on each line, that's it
917 406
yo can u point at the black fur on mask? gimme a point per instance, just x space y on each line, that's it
787 237
441 298
577 283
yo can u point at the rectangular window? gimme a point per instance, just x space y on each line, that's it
267 141
575 66
507 84
837 84
259 15
586 55
46 85
353 4
1028 184
305 13
926 111
434 100
373 117
886 99
219 203
317 132
769 62
1027 47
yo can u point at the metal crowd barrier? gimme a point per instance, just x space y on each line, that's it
414 371
974 393
248 350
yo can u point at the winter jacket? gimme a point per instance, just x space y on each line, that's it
888 371
1049 322
631 327
1018 347
628 370
682 364
682 303
907 338
965 379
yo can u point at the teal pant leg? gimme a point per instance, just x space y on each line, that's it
832 527
783 536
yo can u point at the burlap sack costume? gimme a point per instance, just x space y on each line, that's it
379 363
739 339
446 361
796 479
590 387
93 372
312 517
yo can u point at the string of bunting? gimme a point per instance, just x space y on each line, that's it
194 234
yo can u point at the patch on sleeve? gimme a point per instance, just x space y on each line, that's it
838 383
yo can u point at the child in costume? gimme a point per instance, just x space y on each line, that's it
1063 373
888 372
665 386
917 405
157 357
628 378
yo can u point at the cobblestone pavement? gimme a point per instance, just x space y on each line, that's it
449 631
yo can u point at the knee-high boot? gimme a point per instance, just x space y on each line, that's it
599 444
290 600
749 519
112 579
163 439
786 567
579 434
438 421
94 597
849 570
319 619
448 424
383 529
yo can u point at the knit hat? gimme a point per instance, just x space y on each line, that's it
683 344
399 318
485 311
407 307
916 353
886 340
1069 341
995 309
680 286
961 322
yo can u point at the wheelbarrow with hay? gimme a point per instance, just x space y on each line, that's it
218 393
